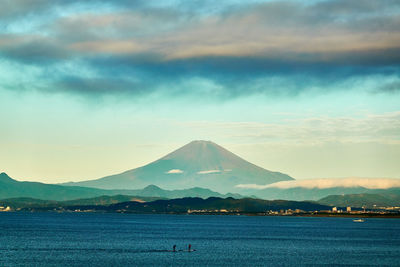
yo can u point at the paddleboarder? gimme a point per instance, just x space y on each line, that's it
174 248
190 248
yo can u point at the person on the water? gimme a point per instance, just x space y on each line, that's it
174 248
190 248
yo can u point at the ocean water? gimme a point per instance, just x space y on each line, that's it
89 239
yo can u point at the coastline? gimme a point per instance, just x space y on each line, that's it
256 214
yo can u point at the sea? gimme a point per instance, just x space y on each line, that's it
93 239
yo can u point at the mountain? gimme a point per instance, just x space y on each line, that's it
182 205
362 200
10 188
197 164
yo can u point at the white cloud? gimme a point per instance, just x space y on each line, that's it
174 171
208 172
370 183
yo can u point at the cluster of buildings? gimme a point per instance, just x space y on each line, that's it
285 212
211 211
5 208
375 210
348 210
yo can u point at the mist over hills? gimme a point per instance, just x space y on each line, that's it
315 189
301 193
197 164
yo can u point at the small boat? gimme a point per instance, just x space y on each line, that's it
358 220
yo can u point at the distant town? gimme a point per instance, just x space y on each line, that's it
386 212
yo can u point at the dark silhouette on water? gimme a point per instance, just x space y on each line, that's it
175 250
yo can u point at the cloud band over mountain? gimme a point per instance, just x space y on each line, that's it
370 183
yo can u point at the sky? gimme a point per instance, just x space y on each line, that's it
93 88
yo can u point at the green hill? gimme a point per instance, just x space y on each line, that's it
16 203
182 205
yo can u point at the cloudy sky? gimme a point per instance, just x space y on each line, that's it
92 88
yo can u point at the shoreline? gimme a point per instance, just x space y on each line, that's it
256 214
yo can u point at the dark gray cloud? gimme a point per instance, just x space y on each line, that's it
36 52
142 47
234 77
16 8
105 85
355 8
392 87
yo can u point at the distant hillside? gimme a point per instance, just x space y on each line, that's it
10 188
301 193
102 200
155 191
182 205
360 200
199 163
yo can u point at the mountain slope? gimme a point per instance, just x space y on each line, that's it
10 188
199 164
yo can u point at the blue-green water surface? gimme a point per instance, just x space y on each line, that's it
90 239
